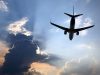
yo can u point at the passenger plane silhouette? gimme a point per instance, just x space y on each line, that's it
72 29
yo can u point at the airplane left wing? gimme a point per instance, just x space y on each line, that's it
80 29
61 27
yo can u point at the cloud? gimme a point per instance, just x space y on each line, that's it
84 46
44 68
3 51
82 22
87 22
3 6
83 66
38 51
78 21
22 53
18 27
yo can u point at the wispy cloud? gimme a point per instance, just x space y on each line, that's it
84 46
87 22
82 22
83 66
3 6
18 27
78 22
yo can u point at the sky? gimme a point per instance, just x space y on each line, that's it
32 17
56 41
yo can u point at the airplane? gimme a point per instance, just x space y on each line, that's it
72 29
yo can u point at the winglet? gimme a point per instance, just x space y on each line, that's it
51 22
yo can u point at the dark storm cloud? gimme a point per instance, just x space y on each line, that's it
22 50
22 54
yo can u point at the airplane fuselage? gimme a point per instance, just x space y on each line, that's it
72 26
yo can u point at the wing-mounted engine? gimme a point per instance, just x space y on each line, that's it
77 33
65 32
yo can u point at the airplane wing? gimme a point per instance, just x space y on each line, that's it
61 27
80 29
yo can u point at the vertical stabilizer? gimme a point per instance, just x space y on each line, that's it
73 9
74 13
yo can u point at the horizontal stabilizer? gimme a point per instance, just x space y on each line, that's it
68 14
78 15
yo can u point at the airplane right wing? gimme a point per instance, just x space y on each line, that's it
80 29
61 27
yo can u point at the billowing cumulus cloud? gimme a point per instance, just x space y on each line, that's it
22 54
44 68
3 51
38 51
18 27
3 6
82 66
23 50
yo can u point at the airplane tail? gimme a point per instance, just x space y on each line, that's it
70 14
76 15
73 14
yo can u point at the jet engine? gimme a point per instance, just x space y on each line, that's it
77 33
65 32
